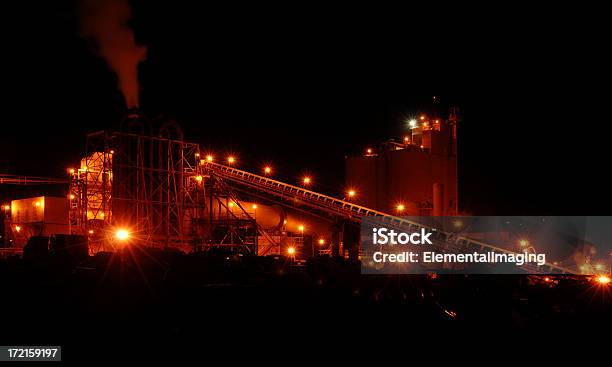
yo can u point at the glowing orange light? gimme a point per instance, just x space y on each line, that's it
254 206
101 215
91 231
197 155
422 117
267 169
291 251
603 279
422 146
199 178
122 234
231 160
301 228
71 197
112 152
406 139
306 180
37 204
547 279
321 241
369 151
231 204
17 229
400 207
7 207
351 193
209 158
71 170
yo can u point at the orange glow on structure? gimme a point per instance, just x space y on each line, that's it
7 207
71 170
209 158
369 151
37 204
352 193
291 251
400 207
199 178
71 197
91 231
267 169
301 228
321 241
231 160
306 180
254 206
422 117
17 228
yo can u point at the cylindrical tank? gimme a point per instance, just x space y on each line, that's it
438 199
269 217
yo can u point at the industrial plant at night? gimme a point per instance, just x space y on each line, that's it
147 182
175 178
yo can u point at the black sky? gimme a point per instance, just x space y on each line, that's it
303 85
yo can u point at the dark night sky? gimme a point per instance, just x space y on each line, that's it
301 86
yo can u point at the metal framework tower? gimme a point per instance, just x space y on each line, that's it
150 184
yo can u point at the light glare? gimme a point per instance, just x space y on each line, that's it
122 234
603 279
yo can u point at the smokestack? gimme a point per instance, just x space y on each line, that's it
105 22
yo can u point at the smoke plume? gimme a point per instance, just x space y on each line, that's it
105 22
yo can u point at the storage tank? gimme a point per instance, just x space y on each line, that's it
420 175
438 199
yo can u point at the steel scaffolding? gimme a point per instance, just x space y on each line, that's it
151 185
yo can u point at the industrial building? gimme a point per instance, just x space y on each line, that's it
148 182
417 176
38 216
145 185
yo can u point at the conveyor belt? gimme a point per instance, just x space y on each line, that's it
448 242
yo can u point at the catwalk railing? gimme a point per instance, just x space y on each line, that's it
449 242
8 179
